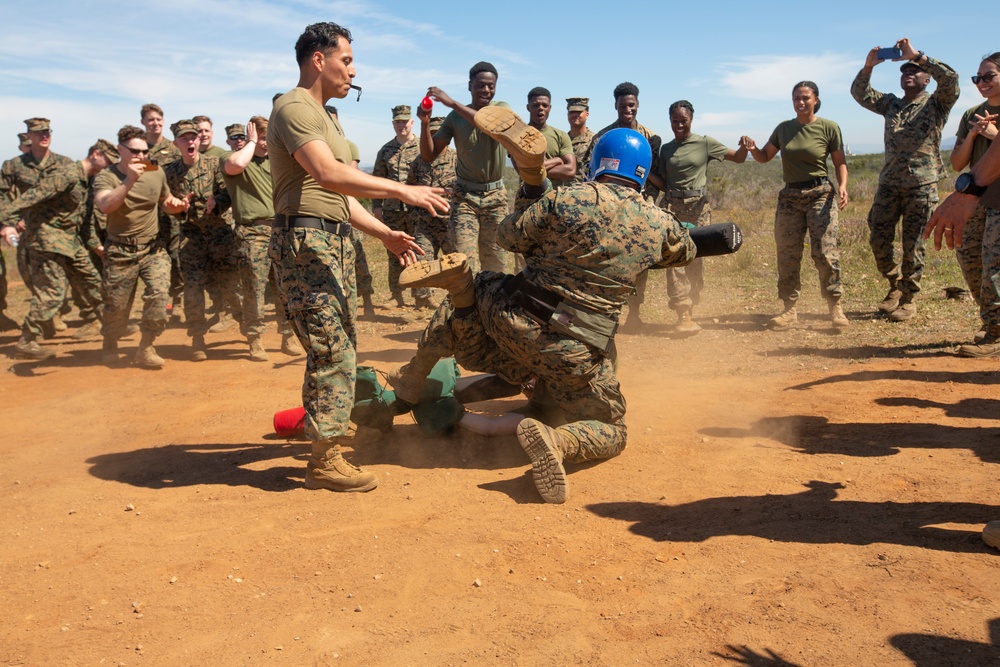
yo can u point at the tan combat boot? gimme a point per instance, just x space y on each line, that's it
837 316
451 272
547 448
991 534
786 320
328 469
368 308
988 346
257 351
198 350
28 348
225 322
146 355
57 323
686 325
109 352
906 310
424 303
891 300
408 380
290 345
88 330
525 144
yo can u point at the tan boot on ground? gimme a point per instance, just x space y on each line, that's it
109 353
988 346
547 448
290 345
28 348
991 534
837 316
146 355
524 143
786 320
686 325
198 350
257 351
408 380
891 300
906 310
87 330
451 272
424 303
368 308
331 471
57 324
225 323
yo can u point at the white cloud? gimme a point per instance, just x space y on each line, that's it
771 77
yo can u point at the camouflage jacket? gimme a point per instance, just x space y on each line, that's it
94 230
164 152
202 180
438 174
912 127
654 145
580 146
588 242
52 208
393 162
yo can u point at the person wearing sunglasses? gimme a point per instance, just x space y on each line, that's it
979 253
907 186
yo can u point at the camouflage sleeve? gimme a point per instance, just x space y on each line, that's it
52 185
381 170
678 248
7 181
866 96
519 230
946 78
222 199
420 173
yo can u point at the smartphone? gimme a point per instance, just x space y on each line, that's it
889 53
150 165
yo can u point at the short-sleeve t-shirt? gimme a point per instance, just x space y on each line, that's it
355 153
137 220
804 148
251 191
480 158
683 165
557 144
990 198
297 119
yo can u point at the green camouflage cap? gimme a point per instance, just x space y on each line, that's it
37 124
182 127
235 129
436 123
910 63
578 104
401 112
108 149
22 139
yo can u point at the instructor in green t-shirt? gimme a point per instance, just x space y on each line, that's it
807 202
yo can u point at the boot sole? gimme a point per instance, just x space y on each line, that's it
313 485
435 272
523 142
547 470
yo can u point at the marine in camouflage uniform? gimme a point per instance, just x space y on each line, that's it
162 152
52 211
6 172
585 244
907 185
208 244
577 111
393 162
433 232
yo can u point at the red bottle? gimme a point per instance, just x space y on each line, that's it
426 103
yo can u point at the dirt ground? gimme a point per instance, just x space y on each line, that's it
792 498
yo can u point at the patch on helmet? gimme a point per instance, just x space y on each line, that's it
609 163
640 171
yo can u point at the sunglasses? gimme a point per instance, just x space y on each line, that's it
238 137
988 77
137 151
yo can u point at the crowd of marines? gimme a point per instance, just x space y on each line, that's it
593 212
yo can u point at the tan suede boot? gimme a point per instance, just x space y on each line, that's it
408 380
451 272
290 345
257 351
837 316
786 320
146 355
524 143
198 350
328 469
547 448
686 325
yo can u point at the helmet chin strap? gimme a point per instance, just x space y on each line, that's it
618 180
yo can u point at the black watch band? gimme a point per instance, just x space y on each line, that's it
966 184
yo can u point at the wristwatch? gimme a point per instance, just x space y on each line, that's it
966 184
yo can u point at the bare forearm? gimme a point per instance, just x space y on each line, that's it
987 169
238 161
109 201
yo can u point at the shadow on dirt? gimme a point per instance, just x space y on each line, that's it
814 516
936 651
972 377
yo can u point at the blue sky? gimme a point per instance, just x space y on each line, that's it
89 66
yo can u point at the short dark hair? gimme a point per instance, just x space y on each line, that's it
538 91
626 88
275 97
811 86
681 104
480 67
330 109
130 132
146 108
201 119
324 37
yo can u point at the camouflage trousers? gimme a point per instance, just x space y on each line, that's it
499 338
813 211
207 254
361 270
51 276
124 266
979 257
915 206
314 271
400 221
174 249
475 217
252 243
3 281
433 234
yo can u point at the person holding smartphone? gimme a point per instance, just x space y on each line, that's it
807 203
979 253
907 186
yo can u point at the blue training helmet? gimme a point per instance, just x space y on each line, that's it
621 152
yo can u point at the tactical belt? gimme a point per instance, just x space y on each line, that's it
807 185
282 221
686 194
479 187
257 223
130 243
561 315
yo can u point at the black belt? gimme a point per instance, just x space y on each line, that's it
282 221
131 245
807 185
686 194
472 186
